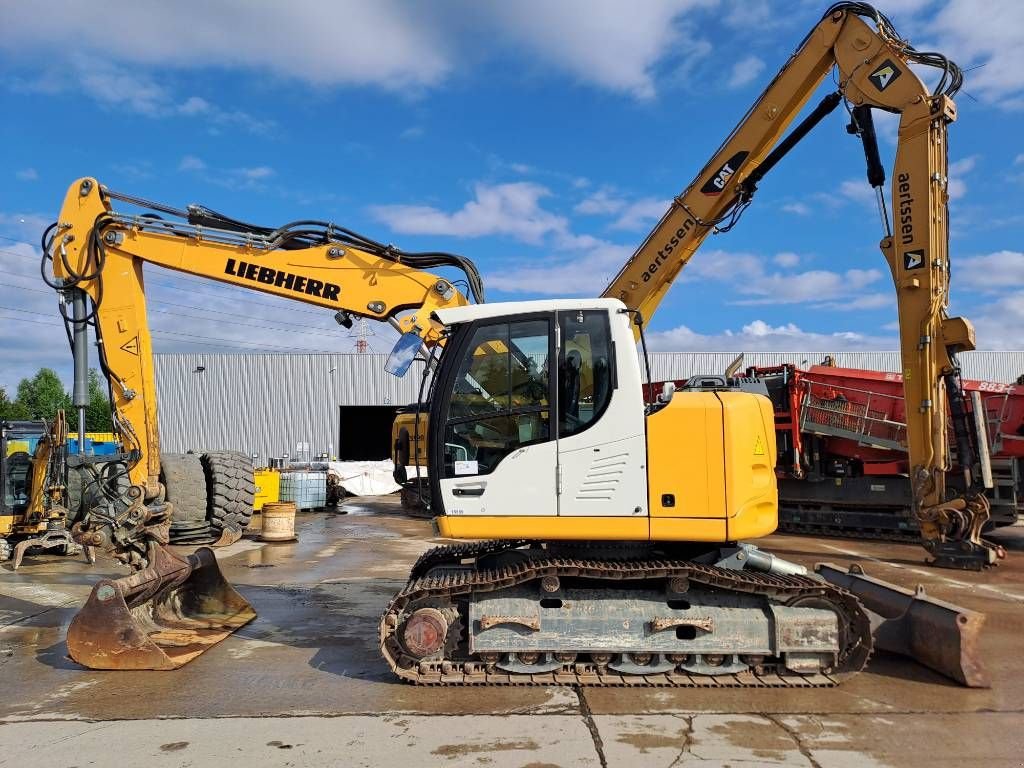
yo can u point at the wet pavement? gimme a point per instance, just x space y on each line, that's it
303 684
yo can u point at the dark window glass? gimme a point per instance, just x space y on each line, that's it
500 398
584 370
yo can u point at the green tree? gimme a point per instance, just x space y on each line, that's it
97 412
43 395
11 410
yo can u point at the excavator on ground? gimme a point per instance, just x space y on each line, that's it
597 547
36 502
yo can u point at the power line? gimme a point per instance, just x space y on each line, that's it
295 326
164 282
160 332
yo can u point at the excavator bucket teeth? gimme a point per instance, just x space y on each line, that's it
161 617
940 635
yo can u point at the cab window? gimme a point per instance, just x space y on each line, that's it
585 369
501 396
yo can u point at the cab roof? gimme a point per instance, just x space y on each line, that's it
471 312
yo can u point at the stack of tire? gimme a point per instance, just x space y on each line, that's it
211 494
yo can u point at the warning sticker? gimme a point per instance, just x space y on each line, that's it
131 346
759 446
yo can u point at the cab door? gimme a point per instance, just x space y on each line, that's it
494 449
601 449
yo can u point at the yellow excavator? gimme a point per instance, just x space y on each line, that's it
605 550
34 507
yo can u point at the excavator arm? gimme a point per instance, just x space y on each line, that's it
171 608
101 252
873 71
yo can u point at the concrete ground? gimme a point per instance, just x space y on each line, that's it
303 684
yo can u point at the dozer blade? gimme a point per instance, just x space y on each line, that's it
941 636
161 617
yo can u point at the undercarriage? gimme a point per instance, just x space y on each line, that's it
509 612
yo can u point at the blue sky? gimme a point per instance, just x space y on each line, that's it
543 140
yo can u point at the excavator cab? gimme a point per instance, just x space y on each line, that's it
18 440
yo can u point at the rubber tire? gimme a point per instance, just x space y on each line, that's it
74 483
184 480
230 488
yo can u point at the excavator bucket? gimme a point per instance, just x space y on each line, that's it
161 617
941 636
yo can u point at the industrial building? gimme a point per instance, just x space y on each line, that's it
342 405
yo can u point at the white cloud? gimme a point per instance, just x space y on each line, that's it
859 191
191 163
401 47
185 314
594 40
990 271
1000 324
761 336
600 203
130 89
27 174
246 177
641 214
256 173
386 43
867 301
630 215
896 8
1019 160
503 209
801 287
786 259
31 334
761 287
749 14
585 271
745 71
987 40
412 132
957 187
28 226
800 209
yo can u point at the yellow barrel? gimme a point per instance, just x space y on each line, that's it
278 521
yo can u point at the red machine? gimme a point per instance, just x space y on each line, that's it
842 463
842 454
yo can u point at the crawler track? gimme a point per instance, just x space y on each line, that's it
442 575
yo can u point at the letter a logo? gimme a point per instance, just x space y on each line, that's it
882 77
913 259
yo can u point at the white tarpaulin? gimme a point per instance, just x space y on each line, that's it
364 478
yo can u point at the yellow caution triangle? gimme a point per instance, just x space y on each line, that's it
759 446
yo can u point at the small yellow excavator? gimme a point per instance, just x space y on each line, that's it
37 504
601 549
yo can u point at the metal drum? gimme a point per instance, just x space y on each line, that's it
278 521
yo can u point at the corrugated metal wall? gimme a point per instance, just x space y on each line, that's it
983 365
267 404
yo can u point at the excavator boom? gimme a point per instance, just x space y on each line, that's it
873 71
172 608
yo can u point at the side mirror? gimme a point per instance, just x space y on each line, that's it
404 352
